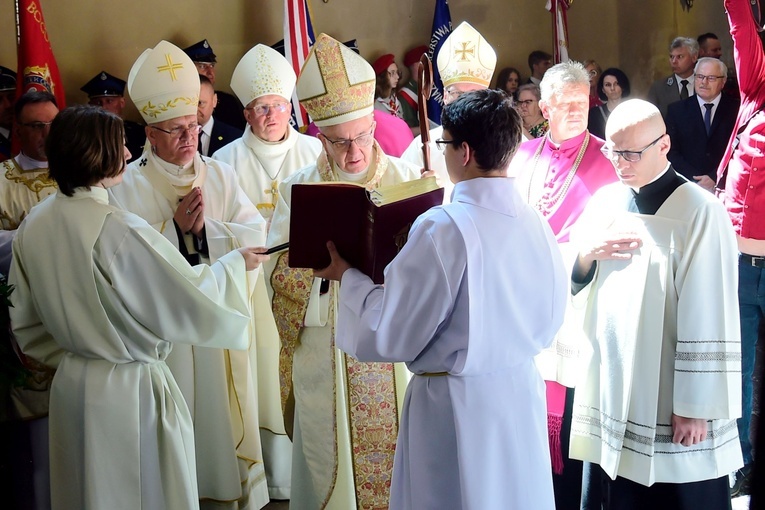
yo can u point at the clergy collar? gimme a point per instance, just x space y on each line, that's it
571 143
262 147
172 168
27 163
651 196
349 177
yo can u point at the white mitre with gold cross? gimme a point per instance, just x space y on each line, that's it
466 57
262 71
335 85
164 84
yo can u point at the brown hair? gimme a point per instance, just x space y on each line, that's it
84 146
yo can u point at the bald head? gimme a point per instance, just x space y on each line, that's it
635 112
637 142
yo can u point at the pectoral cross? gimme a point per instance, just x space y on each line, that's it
274 192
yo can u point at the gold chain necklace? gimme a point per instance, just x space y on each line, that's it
545 204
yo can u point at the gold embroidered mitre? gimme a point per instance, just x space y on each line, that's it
260 72
335 85
164 84
466 57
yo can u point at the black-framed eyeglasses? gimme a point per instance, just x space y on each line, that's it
177 132
631 156
441 144
37 126
262 109
344 144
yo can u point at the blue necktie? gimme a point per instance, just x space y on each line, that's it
708 117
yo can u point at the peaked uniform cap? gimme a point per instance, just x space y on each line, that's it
262 71
335 85
104 84
466 57
7 79
201 52
164 84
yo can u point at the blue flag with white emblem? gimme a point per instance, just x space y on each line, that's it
442 27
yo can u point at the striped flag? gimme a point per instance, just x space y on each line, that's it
37 68
298 39
442 27
558 9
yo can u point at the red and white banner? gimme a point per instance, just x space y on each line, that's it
37 68
558 10
298 38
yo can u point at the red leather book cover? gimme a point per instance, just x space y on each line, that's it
368 236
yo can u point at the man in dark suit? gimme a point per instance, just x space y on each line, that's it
107 92
215 133
229 109
700 126
683 53
539 63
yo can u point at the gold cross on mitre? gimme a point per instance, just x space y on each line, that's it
171 67
462 54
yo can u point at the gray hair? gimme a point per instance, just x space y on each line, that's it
560 75
706 60
691 44
531 87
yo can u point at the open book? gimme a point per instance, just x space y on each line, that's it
368 227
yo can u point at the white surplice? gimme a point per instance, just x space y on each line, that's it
98 295
327 471
220 386
477 291
663 330
261 166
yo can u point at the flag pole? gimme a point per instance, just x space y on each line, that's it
18 28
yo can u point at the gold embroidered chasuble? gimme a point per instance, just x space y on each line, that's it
336 396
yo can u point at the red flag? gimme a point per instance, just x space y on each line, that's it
298 39
37 66
558 9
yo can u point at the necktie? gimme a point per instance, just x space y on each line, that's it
199 143
708 117
684 89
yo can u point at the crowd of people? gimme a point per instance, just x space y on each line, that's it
575 327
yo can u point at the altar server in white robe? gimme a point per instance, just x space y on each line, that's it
197 204
101 296
269 151
655 411
466 62
468 324
346 412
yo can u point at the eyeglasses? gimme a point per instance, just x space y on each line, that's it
344 144
631 156
37 126
441 144
263 109
177 132
204 66
710 79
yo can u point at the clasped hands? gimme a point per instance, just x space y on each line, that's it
190 214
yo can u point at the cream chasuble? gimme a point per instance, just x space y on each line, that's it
221 390
261 167
103 308
346 412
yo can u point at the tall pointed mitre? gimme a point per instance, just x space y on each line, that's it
466 57
164 84
335 85
262 71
